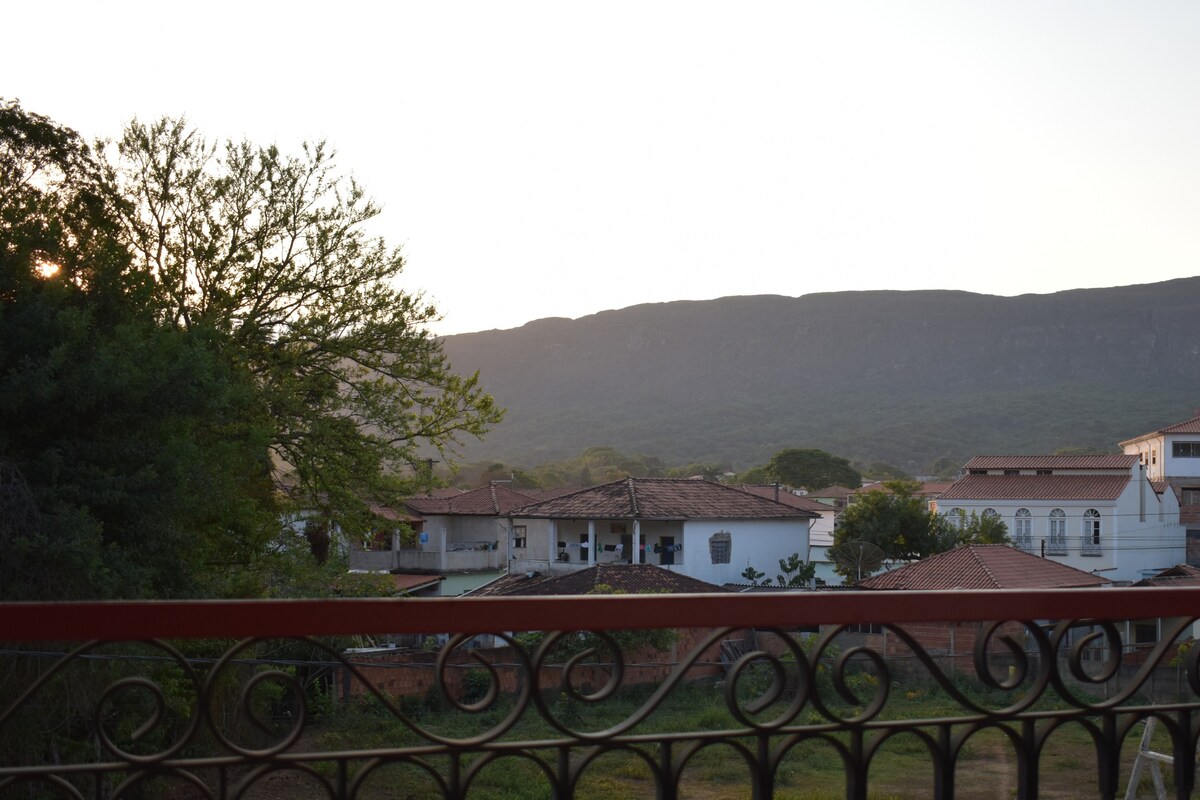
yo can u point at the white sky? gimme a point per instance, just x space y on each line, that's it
558 159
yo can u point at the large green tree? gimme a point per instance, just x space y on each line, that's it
272 252
812 469
192 341
132 460
896 520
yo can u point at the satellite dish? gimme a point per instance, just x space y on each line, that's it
857 557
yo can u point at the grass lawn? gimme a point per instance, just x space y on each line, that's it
812 769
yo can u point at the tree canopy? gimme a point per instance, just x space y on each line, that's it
193 340
898 521
812 469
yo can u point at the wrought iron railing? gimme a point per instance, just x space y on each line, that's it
1088 546
1056 545
265 699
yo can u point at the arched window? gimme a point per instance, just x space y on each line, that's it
1091 531
956 516
1023 529
1058 532
990 512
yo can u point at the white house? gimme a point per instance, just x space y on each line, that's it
704 530
1097 513
464 536
1172 454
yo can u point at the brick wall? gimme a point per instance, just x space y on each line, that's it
413 673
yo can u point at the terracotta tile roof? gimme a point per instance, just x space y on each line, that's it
410 582
1187 426
394 514
661 498
625 578
549 494
832 492
491 500
928 488
1097 461
983 566
785 497
1036 487
1178 575
1159 486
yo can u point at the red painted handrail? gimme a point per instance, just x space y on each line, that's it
137 620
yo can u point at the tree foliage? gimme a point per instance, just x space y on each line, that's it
897 521
812 469
272 252
979 528
193 339
132 461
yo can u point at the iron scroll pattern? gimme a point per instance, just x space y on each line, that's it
230 723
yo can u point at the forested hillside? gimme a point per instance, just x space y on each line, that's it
900 377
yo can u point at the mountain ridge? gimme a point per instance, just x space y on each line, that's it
903 377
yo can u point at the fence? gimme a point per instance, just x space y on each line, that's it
232 699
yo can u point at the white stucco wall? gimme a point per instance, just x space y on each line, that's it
1180 467
757 543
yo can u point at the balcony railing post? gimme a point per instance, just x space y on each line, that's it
1027 760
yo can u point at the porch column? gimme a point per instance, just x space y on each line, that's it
636 556
552 545
591 542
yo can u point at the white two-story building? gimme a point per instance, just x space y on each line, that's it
705 530
1098 513
1172 454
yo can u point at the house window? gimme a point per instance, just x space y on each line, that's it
978 472
865 627
1091 532
1058 532
1023 529
518 537
1012 472
1045 472
720 547
990 512
957 516
1189 496
1186 449
1145 631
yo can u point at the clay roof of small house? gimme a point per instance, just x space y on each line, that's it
1035 487
1178 575
549 494
406 582
928 488
1187 426
1095 461
785 497
489 501
1159 486
661 498
624 578
832 492
394 514
983 566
